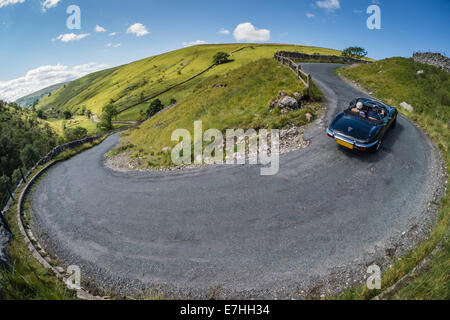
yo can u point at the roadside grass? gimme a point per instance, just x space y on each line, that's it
241 102
77 121
27 279
125 84
433 284
429 94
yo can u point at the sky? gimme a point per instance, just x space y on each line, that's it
37 49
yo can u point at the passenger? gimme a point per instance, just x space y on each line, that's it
360 107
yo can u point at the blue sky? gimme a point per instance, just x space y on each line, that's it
32 53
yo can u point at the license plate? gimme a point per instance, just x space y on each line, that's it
345 144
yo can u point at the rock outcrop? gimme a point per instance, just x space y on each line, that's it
285 102
434 59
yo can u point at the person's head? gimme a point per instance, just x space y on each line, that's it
359 105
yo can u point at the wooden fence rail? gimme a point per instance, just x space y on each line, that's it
297 69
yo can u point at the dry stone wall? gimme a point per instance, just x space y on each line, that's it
318 57
433 59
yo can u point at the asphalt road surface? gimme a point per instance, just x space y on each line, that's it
229 232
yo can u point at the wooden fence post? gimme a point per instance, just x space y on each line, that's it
309 85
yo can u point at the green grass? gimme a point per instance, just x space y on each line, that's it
78 121
429 94
124 84
433 284
243 103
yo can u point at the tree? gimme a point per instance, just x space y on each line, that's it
67 114
29 156
221 58
76 133
109 112
354 52
88 113
16 177
40 114
173 101
155 107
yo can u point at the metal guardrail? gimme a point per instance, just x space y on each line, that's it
297 69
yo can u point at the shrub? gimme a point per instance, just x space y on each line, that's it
76 133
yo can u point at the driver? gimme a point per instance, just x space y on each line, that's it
374 114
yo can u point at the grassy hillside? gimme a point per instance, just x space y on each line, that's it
397 80
28 100
242 101
125 85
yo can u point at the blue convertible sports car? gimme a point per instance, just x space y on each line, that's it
363 125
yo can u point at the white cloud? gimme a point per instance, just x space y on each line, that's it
194 43
99 29
247 32
224 31
44 76
328 5
113 34
138 29
69 37
4 3
113 45
310 15
47 4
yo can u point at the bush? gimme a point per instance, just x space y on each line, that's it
221 58
76 133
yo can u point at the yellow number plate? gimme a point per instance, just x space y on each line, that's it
345 144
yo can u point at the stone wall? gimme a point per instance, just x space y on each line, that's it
433 59
318 57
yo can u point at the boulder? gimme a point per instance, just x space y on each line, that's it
407 106
309 117
289 102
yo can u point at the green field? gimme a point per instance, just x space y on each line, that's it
397 80
124 85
